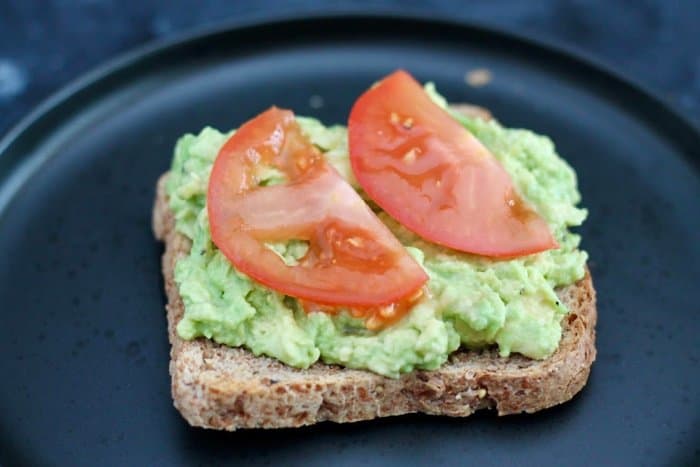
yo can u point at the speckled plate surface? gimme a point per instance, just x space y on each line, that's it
83 346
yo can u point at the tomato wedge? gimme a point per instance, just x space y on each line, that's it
353 260
434 177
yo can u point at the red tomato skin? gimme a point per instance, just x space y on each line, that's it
353 259
434 177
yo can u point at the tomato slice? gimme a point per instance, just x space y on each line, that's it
353 259
434 177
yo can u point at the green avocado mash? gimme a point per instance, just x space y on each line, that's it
472 301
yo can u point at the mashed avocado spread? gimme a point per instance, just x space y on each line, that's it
473 301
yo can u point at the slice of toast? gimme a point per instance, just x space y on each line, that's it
214 386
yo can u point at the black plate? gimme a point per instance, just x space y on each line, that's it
83 348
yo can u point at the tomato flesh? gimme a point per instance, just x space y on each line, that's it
434 177
353 260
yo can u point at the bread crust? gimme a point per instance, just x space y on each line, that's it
215 386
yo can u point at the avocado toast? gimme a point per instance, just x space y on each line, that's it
223 387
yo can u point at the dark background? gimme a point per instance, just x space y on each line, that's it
46 43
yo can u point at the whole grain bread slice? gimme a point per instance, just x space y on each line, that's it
214 386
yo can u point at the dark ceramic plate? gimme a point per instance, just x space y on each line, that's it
83 348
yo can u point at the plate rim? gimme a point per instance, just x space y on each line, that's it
153 47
